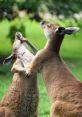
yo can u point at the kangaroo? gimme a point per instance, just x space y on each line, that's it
21 100
64 90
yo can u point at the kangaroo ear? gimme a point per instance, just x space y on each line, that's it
71 30
8 60
60 30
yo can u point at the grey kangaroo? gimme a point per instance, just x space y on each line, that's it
64 90
22 97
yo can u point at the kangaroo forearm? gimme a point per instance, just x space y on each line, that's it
17 68
39 58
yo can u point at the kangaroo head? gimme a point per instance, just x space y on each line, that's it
17 46
50 29
19 41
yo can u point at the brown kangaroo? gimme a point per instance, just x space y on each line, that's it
21 100
64 90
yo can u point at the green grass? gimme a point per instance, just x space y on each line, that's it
71 46
71 51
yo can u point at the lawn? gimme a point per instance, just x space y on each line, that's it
71 51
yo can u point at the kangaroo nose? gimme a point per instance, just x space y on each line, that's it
18 35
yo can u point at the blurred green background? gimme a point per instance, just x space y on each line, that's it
24 16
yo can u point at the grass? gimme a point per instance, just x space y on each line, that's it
71 45
71 51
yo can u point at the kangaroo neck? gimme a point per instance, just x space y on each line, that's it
54 43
